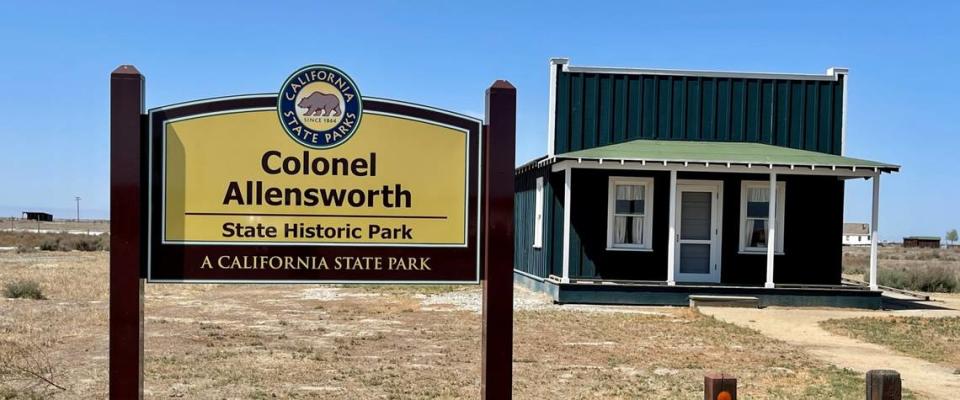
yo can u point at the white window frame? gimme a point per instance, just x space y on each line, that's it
538 216
781 201
647 184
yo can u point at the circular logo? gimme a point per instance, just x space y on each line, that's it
319 106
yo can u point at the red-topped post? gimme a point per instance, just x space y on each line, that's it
126 240
500 141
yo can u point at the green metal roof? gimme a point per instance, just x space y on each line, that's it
721 153
922 237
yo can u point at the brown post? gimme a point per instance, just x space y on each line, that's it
883 384
719 386
126 240
501 120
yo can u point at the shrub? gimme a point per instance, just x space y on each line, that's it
88 244
50 244
929 279
23 289
55 241
67 242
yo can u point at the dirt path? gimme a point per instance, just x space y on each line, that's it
800 327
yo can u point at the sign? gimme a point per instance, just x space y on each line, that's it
313 184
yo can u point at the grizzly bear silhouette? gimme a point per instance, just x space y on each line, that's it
320 104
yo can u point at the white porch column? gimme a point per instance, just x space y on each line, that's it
672 240
566 226
874 218
771 229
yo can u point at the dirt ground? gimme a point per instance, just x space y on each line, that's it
263 341
802 328
933 339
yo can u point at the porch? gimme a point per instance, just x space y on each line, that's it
679 294
607 236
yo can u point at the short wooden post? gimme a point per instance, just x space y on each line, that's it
496 380
719 386
883 384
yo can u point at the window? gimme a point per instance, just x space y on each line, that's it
538 219
629 213
754 216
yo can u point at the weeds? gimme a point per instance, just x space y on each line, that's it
937 279
27 241
50 245
23 289
926 270
21 249
26 372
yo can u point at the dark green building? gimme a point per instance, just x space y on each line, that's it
662 184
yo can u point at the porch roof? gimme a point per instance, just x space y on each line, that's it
674 151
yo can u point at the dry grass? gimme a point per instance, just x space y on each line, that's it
588 355
260 341
933 339
934 270
18 224
32 241
70 326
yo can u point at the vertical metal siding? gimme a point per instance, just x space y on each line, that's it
526 258
597 109
556 224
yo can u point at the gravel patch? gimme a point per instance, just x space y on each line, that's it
523 300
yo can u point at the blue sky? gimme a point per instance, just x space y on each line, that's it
57 56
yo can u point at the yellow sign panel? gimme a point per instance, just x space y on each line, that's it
237 177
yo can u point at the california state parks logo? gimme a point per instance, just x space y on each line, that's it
319 106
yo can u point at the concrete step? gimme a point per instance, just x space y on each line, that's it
703 300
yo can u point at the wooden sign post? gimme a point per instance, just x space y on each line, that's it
315 184
126 233
501 118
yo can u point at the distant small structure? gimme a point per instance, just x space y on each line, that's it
932 242
38 216
856 234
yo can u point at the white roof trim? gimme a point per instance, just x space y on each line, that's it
750 165
831 75
700 166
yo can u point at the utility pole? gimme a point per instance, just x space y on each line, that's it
78 207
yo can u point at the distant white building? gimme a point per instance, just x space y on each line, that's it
856 234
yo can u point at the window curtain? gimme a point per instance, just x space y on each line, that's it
758 203
629 228
758 208
621 231
637 230
634 235
758 195
630 199
756 231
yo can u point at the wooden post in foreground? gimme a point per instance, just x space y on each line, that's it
500 137
883 384
126 242
719 386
